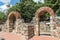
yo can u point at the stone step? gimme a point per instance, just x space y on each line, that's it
45 33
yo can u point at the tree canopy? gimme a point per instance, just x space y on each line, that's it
1 15
27 8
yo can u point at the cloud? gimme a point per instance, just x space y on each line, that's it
42 1
36 1
5 1
4 7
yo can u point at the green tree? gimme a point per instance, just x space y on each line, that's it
1 15
54 4
27 9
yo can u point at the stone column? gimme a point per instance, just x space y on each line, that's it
17 27
24 32
6 27
21 29
51 25
36 27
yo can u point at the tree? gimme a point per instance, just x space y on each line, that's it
27 9
1 15
54 4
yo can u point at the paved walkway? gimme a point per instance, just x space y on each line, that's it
44 38
12 36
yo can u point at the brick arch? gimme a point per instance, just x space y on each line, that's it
14 13
11 26
38 13
44 9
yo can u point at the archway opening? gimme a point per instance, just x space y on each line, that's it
12 23
44 23
13 17
45 16
38 14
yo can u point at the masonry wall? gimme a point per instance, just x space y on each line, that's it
24 29
27 30
1 27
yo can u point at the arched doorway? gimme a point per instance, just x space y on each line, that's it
12 17
39 13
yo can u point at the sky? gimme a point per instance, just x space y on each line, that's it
42 1
3 4
12 2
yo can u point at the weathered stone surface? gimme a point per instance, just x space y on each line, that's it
27 30
44 9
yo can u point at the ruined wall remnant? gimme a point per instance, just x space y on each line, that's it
27 30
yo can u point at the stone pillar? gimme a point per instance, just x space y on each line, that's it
21 29
24 32
51 25
36 27
17 25
6 27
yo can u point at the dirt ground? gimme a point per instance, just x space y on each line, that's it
12 36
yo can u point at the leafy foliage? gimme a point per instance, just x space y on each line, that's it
1 15
27 8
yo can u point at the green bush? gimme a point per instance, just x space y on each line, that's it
1 15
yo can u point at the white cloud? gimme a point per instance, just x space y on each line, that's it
5 1
42 1
4 7
36 1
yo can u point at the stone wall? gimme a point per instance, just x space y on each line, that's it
1 27
27 30
21 28
24 29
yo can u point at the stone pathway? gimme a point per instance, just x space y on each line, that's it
12 36
44 38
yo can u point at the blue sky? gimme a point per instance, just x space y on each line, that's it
12 2
3 3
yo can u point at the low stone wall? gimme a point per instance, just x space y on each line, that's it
24 29
27 30
1 27
21 28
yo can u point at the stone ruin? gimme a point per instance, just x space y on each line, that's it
27 30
